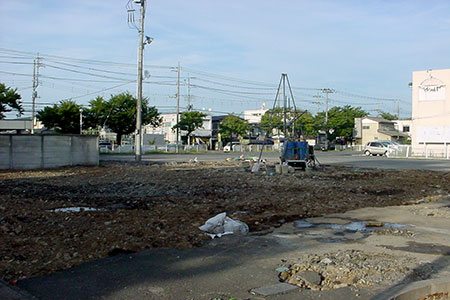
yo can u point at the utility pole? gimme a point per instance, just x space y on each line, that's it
284 104
326 91
398 109
178 104
189 107
317 102
36 65
137 139
81 120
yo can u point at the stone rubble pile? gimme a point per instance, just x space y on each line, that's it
347 268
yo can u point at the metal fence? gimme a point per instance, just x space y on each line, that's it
153 148
407 151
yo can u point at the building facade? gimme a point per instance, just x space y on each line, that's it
368 129
431 112
202 135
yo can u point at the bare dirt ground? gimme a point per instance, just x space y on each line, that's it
147 206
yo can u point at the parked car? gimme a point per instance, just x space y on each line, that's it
105 145
376 148
391 144
230 146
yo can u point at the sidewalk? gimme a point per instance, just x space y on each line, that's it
233 266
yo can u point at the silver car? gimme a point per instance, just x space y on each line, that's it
376 148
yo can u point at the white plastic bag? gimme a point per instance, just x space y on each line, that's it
221 224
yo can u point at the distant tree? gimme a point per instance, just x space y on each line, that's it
341 120
63 117
232 125
189 122
9 100
303 121
388 116
94 116
119 114
307 123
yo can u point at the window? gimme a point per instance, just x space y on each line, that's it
405 128
366 127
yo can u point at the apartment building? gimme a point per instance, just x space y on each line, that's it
169 120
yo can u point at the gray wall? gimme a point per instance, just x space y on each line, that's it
47 151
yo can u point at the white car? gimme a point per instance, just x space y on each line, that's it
377 148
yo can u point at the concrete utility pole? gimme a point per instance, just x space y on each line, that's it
398 109
178 103
326 91
189 106
284 105
36 65
81 120
317 102
137 139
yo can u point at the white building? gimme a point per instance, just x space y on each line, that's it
431 112
403 126
169 120
254 116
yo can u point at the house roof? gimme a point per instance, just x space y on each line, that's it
379 120
392 133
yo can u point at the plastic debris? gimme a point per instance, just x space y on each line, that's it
255 168
222 225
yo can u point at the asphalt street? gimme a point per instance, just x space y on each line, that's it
345 158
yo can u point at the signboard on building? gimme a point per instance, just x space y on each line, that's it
432 89
433 134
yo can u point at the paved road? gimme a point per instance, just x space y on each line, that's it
355 159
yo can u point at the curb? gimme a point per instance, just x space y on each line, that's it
8 292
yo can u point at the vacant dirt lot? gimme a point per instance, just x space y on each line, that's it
146 206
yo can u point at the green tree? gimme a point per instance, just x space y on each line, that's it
95 115
303 121
64 117
119 114
341 120
388 116
9 100
233 125
189 122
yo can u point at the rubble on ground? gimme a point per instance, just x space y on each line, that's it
127 207
352 268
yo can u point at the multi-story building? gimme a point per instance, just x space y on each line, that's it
431 112
169 120
253 117
403 126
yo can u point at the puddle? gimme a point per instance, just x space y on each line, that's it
75 209
353 226
302 224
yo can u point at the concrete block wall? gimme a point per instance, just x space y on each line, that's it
22 152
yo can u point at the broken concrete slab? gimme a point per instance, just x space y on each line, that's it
274 289
310 277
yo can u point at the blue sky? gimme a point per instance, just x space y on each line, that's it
367 48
